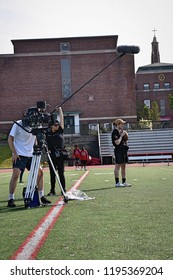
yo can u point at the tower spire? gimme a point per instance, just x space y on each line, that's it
155 55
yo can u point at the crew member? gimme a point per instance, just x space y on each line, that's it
55 142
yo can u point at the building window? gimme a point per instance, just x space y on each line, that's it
93 126
156 86
66 78
147 103
107 126
166 85
64 47
146 86
162 108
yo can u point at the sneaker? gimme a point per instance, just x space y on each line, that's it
45 201
127 185
11 203
51 194
118 185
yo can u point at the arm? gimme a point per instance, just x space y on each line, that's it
61 117
12 148
118 141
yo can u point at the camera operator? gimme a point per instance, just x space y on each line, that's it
21 144
55 143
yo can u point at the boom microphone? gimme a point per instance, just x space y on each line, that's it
128 49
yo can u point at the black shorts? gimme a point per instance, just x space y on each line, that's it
120 157
77 160
22 163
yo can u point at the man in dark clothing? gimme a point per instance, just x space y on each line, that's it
119 140
55 143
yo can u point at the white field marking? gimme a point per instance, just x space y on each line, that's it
31 246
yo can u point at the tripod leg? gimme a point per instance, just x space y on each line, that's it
35 174
32 179
57 177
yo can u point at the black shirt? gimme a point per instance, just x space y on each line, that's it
55 140
116 136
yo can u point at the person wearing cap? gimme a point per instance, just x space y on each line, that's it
119 141
55 143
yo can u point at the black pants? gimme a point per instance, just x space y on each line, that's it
58 163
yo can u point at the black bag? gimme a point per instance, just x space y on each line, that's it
64 154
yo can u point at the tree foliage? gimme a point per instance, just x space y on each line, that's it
152 114
170 97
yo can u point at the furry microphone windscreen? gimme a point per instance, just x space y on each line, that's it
128 49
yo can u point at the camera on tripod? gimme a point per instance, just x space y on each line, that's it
36 116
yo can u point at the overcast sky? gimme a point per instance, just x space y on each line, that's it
132 20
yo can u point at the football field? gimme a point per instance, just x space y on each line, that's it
131 223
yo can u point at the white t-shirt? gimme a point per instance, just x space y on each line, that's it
23 141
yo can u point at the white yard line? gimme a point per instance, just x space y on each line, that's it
31 246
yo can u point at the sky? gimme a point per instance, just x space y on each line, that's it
132 20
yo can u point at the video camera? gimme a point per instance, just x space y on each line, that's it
37 121
36 116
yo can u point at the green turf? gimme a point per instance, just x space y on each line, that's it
5 156
120 223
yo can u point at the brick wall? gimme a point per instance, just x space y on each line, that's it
29 77
76 44
152 94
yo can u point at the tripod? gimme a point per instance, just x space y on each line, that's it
33 174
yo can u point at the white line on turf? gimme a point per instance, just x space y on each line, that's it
36 238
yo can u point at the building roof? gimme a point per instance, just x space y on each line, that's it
155 67
106 42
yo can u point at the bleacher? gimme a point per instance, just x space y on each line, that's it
144 146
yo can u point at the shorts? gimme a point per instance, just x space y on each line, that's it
77 160
22 163
121 157
83 162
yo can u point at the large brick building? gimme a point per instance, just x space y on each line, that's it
53 69
154 82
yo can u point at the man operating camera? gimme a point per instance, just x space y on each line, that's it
21 142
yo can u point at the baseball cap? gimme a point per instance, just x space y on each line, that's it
51 123
119 121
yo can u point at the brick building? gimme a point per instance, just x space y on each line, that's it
53 69
154 82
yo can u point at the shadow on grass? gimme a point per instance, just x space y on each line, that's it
5 209
101 189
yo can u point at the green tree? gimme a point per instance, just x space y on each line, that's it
147 118
143 112
154 112
170 97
